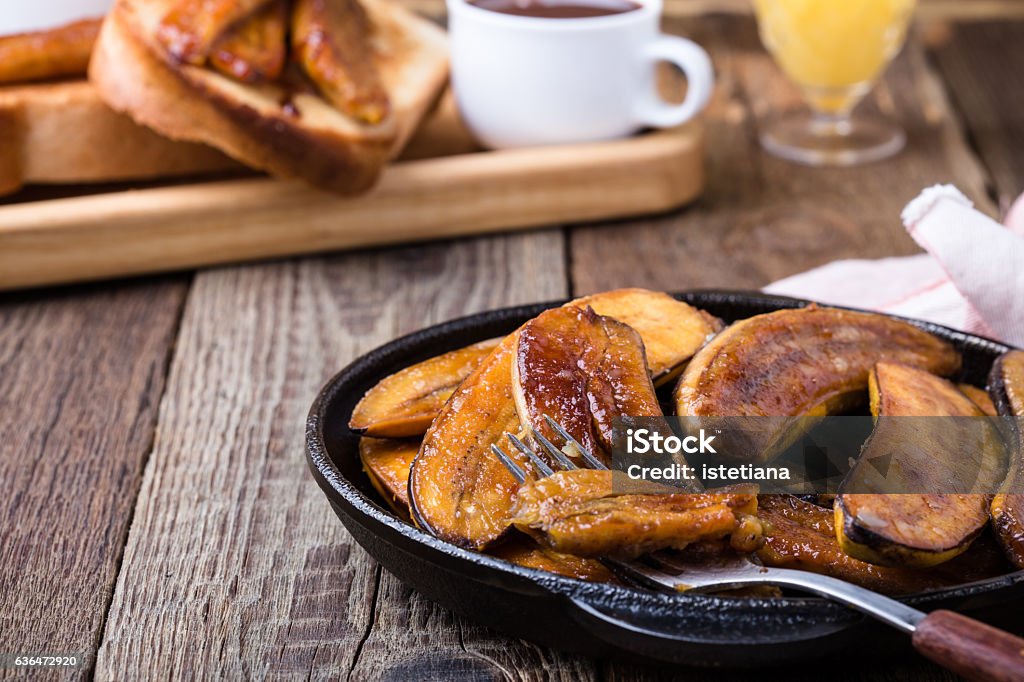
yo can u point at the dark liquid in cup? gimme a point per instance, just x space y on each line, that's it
558 9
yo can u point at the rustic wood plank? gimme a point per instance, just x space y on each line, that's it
412 639
983 66
81 374
762 218
186 226
235 565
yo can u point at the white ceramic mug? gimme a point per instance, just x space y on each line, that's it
523 81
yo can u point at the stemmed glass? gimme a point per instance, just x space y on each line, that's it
834 50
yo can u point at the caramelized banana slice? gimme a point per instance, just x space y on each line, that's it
191 27
577 512
405 403
523 551
980 398
672 331
1007 511
55 53
254 50
1006 382
458 489
918 530
583 370
332 42
387 462
807 362
802 535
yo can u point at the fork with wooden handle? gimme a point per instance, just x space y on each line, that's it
967 647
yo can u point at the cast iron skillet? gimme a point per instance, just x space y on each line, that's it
596 619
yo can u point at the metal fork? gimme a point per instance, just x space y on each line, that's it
966 646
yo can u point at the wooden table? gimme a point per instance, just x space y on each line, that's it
157 513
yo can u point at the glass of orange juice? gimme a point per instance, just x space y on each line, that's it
834 50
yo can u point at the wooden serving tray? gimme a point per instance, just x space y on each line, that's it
443 186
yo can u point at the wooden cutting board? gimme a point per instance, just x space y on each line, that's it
443 186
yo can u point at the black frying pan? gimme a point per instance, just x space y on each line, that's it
598 619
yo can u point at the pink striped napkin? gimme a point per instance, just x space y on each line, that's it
971 276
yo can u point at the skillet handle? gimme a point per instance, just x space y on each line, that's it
970 648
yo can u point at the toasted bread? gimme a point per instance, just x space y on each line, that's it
266 126
62 132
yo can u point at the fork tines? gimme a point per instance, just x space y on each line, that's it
594 462
513 468
634 571
539 464
542 468
553 450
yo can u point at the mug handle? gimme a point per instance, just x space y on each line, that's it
700 78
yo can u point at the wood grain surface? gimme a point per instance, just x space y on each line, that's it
983 65
81 374
234 565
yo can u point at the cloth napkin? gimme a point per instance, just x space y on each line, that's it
971 276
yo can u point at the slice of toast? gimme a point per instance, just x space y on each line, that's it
266 126
63 133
